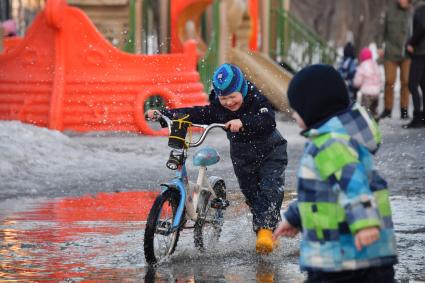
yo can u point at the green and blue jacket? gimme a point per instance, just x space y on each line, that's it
340 193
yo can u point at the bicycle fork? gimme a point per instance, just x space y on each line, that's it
189 196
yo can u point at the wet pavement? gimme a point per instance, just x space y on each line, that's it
98 236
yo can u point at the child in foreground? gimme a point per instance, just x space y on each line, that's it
343 209
257 149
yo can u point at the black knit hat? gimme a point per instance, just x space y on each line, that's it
317 92
349 51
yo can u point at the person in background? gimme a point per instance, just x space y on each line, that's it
347 69
343 207
416 47
9 28
395 29
257 149
368 80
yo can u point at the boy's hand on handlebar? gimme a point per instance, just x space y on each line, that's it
234 125
152 114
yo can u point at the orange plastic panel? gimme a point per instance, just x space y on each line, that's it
181 12
64 75
11 43
253 12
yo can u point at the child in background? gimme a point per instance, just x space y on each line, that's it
368 80
347 69
343 207
257 149
9 28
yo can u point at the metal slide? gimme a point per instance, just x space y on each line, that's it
267 75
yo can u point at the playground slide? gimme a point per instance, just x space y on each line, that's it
269 77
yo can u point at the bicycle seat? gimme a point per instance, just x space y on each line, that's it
206 156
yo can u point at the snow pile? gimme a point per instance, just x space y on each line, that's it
29 148
36 160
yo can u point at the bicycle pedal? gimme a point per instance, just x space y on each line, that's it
219 203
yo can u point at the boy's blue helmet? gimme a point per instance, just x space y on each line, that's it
228 79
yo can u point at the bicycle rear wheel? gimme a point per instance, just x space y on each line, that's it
158 241
210 220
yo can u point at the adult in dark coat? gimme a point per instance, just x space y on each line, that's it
416 47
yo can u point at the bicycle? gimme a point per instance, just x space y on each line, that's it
202 202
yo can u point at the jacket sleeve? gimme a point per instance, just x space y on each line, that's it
350 176
353 69
292 215
358 78
260 118
419 27
382 27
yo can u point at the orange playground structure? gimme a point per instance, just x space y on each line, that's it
185 22
64 75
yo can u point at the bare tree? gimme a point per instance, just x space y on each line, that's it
335 20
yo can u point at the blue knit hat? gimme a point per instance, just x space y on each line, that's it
228 79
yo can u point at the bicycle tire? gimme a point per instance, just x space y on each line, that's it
160 218
208 218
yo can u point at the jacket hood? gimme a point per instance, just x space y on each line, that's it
355 122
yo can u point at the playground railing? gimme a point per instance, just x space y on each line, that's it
208 64
296 45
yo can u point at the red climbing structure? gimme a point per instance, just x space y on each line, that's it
64 75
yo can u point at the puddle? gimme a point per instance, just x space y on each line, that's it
100 238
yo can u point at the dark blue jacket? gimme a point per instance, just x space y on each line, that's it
256 114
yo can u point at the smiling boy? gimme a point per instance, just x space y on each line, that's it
257 149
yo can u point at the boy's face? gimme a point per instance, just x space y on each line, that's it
299 121
232 101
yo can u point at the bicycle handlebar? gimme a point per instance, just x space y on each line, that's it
206 128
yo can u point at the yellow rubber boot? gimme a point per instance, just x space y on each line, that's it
264 244
265 278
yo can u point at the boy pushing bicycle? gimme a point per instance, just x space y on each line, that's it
257 149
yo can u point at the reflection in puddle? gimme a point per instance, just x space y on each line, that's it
72 237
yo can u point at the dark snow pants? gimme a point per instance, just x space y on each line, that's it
259 167
416 81
383 274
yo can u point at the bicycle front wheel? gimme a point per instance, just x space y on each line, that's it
159 242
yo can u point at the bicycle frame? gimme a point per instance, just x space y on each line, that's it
189 193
